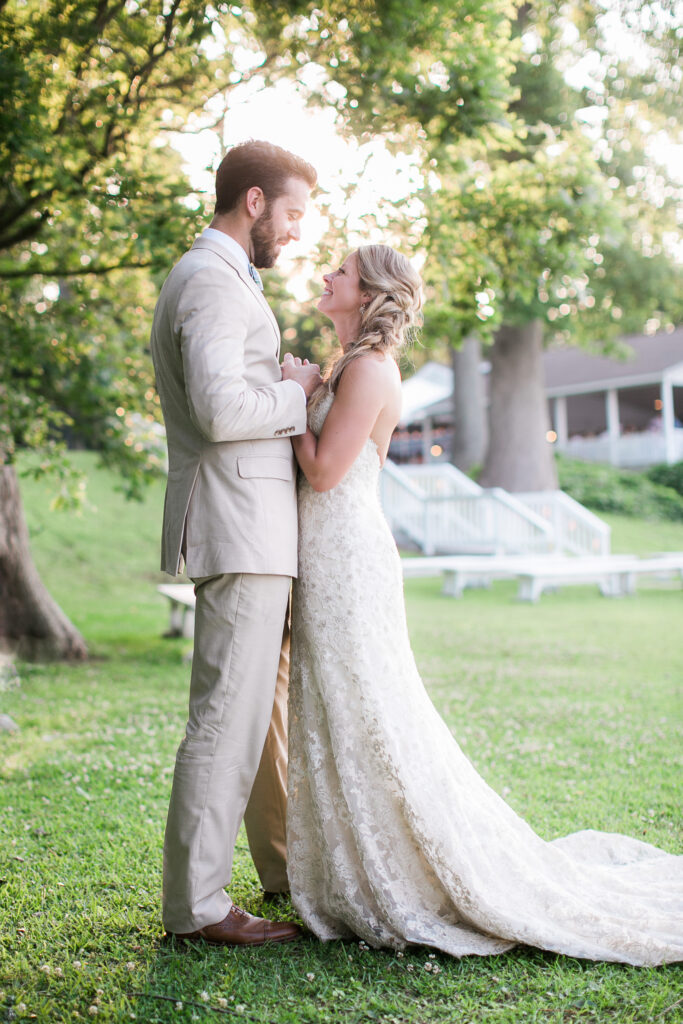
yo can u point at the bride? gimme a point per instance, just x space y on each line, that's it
392 835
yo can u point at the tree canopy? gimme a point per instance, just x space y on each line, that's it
95 207
92 193
93 199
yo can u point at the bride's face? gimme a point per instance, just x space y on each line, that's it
342 294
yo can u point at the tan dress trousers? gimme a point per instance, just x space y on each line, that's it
232 762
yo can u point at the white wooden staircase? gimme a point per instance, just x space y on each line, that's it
437 509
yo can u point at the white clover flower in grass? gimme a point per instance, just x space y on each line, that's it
45 968
428 966
130 966
310 976
59 973
204 996
20 1008
93 1010
76 964
222 1002
240 1008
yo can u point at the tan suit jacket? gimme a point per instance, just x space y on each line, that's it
230 499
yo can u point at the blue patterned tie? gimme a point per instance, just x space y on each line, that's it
255 276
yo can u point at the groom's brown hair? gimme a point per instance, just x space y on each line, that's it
262 164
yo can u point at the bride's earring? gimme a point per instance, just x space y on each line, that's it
362 310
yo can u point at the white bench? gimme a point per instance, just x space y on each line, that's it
182 599
616 575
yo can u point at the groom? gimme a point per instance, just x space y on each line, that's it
230 513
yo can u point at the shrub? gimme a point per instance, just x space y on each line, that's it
668 476
604 488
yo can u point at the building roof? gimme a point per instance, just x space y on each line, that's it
568 371
571 371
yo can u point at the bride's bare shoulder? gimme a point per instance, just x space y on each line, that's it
374 368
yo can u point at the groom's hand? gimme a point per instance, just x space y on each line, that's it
304 373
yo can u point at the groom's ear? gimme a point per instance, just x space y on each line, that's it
255 201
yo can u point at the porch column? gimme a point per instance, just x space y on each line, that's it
667 393
613 425
560 420
426 439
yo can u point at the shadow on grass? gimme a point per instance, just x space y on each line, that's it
343 982
309 982
126 648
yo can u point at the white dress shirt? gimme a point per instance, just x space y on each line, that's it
229 243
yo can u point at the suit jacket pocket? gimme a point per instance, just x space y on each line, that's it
274 467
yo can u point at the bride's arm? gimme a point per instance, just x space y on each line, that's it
361 395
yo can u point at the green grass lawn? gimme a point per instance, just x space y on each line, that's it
571 708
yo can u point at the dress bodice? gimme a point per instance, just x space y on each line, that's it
333 523
364 473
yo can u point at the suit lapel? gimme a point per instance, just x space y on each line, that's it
245 278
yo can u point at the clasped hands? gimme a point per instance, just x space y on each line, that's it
304 373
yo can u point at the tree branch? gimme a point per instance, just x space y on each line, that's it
57 272
23 234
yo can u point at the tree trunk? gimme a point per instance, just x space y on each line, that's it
469 416
519 457
30 622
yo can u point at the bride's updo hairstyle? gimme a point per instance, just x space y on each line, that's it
386 321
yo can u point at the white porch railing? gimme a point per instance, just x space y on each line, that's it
577 530
439 519
629 450
404 504
442 511
440 479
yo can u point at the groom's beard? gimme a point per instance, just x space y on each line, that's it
263 239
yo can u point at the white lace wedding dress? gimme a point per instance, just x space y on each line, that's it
392 834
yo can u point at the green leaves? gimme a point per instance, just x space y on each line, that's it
391 65
82 96
567 217
510 238
92 202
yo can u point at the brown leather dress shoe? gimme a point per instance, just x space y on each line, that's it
242 929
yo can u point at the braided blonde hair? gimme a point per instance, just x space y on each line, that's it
387 320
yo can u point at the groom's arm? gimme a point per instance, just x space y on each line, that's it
212 323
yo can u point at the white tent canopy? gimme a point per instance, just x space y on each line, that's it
430 386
